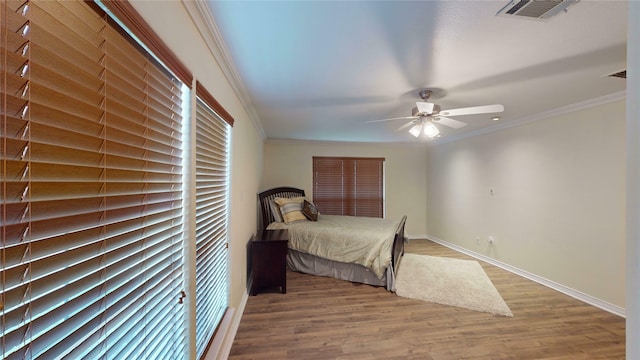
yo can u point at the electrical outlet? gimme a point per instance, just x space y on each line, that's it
478 240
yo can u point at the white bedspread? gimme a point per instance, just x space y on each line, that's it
350 239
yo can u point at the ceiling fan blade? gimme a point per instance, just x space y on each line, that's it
456 124
473 110
398 118
403 127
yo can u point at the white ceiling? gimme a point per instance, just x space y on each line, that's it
319 70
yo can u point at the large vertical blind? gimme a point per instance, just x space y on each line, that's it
212 198
91 168
349 186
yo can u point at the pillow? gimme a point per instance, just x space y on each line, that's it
291 209
310 211
275 211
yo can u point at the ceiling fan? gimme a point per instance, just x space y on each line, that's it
425 115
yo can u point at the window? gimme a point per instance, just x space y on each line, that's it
349 186
91 234
212 192
91 171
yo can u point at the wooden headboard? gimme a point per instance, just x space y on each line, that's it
264 197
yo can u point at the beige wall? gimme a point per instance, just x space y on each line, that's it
633 184
289 163
558 209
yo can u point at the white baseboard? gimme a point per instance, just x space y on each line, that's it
614 309
233 328
412 237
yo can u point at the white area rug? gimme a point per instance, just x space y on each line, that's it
447 281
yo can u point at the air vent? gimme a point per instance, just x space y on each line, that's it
620 74
535 9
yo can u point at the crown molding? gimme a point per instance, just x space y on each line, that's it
279 141
203 20
620 95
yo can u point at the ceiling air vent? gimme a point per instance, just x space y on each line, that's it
535 9
619 74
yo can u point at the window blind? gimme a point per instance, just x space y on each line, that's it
91 168
124 12
212 194
349 186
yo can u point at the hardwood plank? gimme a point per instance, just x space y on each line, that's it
325 318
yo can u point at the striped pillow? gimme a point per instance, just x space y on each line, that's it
275 211
291 209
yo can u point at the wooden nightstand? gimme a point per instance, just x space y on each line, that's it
268 260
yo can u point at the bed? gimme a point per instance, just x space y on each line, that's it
356 249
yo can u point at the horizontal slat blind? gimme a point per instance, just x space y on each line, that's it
349 186
329 188
368 190
91 189
212 193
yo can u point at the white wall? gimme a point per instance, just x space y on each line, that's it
558 209
289 163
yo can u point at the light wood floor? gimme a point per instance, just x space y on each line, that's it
324 318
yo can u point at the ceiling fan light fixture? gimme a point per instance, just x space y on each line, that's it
425 107
416 129
431 130
426 115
